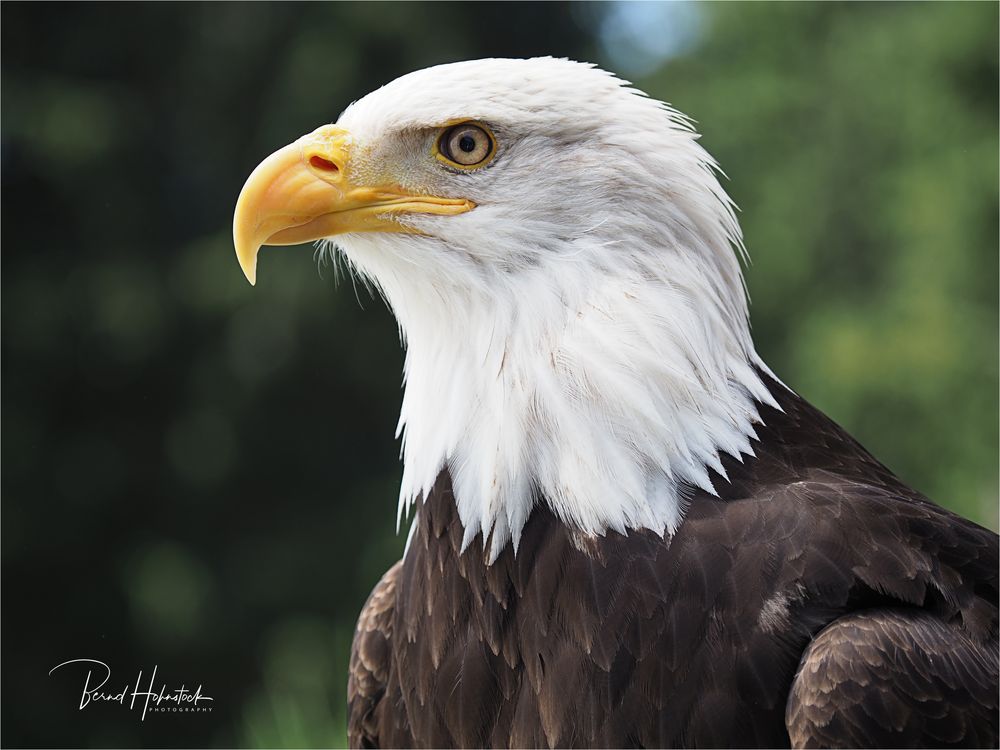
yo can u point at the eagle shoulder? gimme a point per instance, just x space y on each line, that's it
370 661
895 677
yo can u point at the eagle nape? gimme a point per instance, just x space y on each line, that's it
628 532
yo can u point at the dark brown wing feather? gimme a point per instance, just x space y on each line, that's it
370 663
692 640
895 678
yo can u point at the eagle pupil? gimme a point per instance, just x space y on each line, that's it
467 143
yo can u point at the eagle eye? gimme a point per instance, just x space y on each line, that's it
466 145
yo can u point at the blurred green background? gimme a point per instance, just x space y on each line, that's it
202 476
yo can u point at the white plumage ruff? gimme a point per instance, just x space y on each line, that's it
552 350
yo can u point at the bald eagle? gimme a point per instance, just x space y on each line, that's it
628 532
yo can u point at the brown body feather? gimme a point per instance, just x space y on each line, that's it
818 601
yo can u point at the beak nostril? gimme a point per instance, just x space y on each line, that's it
318 162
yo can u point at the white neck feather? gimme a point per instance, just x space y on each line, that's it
580 339
604 396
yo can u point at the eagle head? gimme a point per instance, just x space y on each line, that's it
563 264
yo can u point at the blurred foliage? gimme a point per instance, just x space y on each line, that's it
202 476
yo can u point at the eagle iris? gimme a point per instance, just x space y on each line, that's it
466 145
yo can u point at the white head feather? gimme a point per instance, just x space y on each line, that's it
579 339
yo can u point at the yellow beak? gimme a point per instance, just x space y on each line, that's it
304 192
